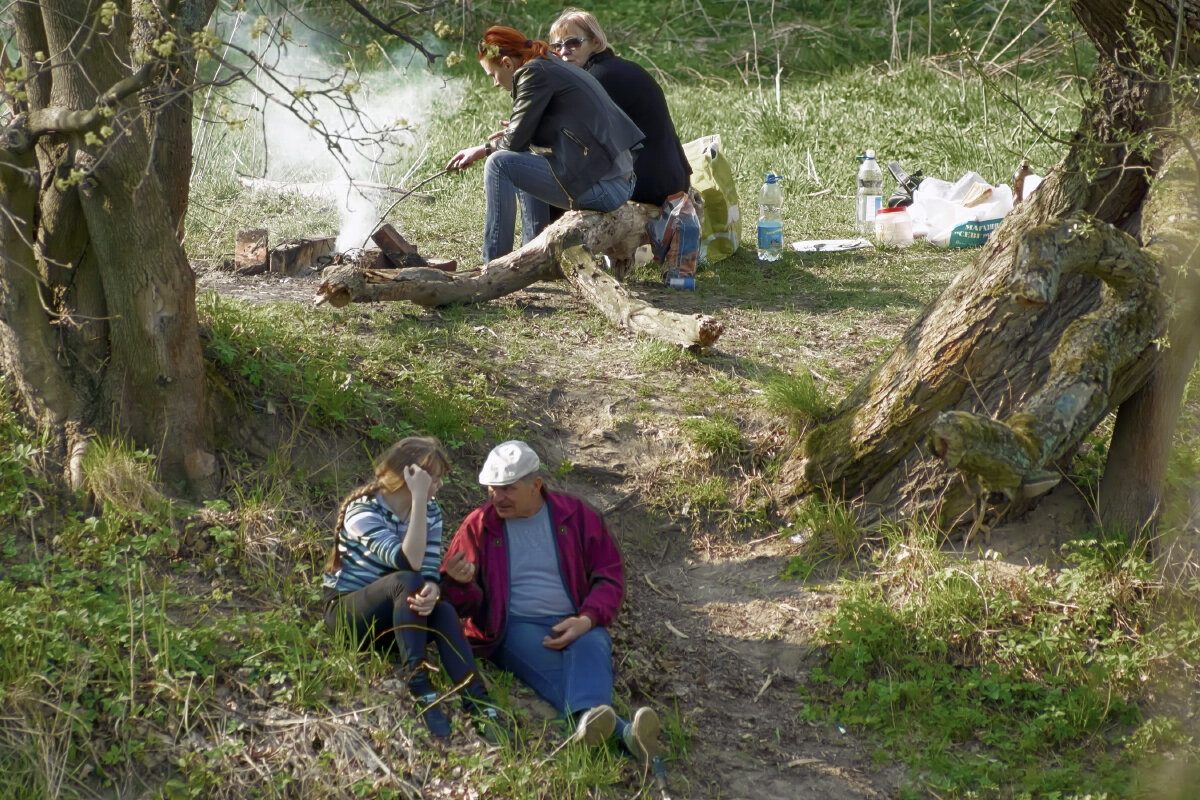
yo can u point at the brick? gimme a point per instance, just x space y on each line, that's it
250 252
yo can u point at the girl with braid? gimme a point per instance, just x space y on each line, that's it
382 582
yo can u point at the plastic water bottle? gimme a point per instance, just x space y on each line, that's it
770 219
870 192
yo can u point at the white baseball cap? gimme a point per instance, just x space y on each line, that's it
508 463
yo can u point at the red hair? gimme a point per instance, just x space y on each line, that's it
499 41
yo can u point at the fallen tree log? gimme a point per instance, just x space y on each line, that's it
321 190
603 291
617 234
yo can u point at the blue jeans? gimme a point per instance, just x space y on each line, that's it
573 679
378 616
509 175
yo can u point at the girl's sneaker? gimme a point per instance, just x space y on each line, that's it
493 726
434 717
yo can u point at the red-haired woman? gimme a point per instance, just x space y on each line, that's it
583 141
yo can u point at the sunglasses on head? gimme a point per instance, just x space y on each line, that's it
569 44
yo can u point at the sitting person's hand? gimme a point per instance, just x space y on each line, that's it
567 631
458 568
465 158
422 602
419 482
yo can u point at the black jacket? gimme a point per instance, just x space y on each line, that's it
563 109
661 167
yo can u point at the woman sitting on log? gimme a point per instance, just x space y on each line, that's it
660 165
583 142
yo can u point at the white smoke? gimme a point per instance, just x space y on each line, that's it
351 155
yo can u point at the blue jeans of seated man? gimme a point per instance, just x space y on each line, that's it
573 679
508 175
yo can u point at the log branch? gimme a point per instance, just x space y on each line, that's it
1012 457
603 291
617 234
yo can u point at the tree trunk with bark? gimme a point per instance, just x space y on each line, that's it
1061 318
99 329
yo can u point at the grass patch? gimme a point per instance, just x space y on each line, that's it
717 436
797 398
385 376
994 680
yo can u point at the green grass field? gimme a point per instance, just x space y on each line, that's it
131 621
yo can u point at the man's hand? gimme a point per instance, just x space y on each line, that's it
422 601
567 631
459 569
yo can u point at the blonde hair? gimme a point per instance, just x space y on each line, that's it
425 452
585 20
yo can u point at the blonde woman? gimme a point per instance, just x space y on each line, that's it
382 583
660 165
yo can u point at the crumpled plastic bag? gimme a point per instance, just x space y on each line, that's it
675 240
960 214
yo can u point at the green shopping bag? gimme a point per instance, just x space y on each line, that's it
712 180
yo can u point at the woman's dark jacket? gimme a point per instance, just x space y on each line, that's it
564 109
661 167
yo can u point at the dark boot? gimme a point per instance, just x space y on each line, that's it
492 723
433 716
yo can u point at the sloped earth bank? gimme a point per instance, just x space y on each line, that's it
709 630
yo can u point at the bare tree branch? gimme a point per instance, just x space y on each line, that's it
388 27
57 119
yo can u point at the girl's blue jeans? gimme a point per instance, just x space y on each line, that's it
509 175
573 679
378 616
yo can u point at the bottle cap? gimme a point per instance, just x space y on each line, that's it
891 210
772 177
870 154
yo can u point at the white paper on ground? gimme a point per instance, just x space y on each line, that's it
830 245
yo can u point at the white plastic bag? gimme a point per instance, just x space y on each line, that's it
938 212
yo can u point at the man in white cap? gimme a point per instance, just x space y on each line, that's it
537 577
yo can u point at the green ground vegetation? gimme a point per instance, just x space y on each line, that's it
126 615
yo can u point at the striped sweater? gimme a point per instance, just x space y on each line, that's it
371 542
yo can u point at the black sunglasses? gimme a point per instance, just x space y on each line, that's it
569 44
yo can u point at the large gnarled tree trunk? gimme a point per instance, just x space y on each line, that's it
98 328
1060 319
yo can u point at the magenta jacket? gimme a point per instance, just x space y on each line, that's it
587 556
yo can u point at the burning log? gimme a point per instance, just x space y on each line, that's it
401 254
